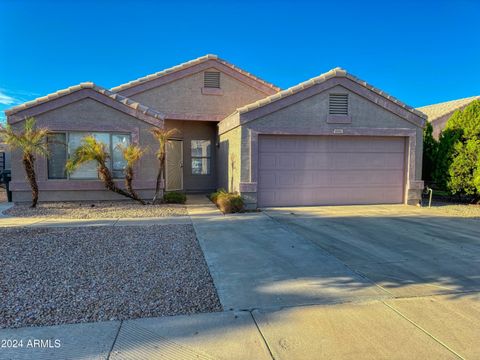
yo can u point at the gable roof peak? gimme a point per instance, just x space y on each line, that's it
189 64
335 72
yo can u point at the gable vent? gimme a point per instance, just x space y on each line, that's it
211 79
338 104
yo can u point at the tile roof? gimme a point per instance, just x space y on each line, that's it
436 111
337 72
187 65
88 85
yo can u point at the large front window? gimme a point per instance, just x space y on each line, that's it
62 145
201 156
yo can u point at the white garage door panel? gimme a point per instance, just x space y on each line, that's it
318 170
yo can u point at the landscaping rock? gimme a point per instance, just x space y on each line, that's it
96 210
69 275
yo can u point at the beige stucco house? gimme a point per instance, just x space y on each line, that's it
333 139
439 114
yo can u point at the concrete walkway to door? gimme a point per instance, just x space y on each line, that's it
257 263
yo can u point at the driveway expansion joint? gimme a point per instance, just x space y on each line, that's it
114 340
261 335
424 330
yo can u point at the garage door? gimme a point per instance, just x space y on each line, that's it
330 170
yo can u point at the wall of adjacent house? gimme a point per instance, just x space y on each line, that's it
86 115
196 130
184 96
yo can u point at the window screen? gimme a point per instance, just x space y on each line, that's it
57 147
201 157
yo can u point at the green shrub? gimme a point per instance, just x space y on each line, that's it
230 203
464 168
430 149
227 202
213 196
174 197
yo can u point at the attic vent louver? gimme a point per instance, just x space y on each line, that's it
338 104
211 79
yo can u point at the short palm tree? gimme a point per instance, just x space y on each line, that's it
30 141
92 150
162 136
132 154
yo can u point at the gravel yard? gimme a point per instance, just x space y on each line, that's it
460 210
70 275
96 210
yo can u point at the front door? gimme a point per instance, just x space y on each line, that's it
174 165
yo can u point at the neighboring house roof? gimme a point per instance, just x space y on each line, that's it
337 72
189 64
131 104
437 111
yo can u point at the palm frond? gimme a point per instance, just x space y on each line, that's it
162 136
30 139
89 150
132 153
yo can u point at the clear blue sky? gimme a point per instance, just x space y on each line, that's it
421 52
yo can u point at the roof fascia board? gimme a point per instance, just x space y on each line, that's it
347 83
78 95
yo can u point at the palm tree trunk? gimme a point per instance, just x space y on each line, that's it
29 164
107 179
128 185
160 176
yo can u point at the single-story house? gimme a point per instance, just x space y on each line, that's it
438 114
333 139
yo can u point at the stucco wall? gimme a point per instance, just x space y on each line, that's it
185 96
196 130
86 115
310 115
229 160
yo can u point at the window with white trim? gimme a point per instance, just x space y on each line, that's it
62 145
201 154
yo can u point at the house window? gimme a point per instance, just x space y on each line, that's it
201 157
57 148
211 79
338 104
62 145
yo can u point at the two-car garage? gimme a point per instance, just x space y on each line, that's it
330 170
331 140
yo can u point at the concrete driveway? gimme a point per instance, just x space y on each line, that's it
256 262
406 251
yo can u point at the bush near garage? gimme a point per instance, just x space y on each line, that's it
174 197
227 202
452 163
464 169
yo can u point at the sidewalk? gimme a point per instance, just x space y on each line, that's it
400 328
48 222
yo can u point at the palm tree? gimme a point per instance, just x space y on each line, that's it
92 150
162 136
31 141
132 154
